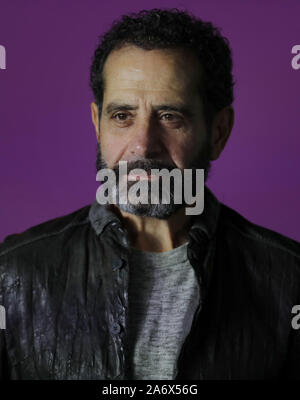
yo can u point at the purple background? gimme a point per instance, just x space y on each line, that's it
47 141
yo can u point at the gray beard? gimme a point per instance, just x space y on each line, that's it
161 210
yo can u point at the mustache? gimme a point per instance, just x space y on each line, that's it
146 164
202 160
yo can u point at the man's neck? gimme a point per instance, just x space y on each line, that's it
156 235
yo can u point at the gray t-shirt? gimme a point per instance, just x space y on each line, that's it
163 297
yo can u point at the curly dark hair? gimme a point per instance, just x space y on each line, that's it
172 28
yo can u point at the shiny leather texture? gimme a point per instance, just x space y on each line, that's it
64 285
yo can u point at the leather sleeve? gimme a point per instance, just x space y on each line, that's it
4 368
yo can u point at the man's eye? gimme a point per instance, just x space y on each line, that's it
168 117
172 117
120 116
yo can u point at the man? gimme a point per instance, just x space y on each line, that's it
146 291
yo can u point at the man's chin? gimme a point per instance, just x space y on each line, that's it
160 211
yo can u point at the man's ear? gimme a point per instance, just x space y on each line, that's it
95 118
221 129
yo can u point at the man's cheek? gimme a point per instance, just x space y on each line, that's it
112 152
183 156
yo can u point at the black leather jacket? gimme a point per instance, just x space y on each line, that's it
64 285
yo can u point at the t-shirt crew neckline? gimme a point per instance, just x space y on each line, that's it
162 259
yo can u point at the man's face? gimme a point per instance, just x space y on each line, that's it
152 116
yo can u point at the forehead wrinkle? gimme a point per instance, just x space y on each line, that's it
133 78
146 84
145 91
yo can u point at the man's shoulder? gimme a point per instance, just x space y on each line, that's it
258 235
51 228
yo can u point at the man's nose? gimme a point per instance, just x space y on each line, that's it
147 140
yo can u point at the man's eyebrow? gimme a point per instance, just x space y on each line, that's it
183 109
111 107
174 107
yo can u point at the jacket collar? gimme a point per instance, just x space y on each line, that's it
102 215
208 220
